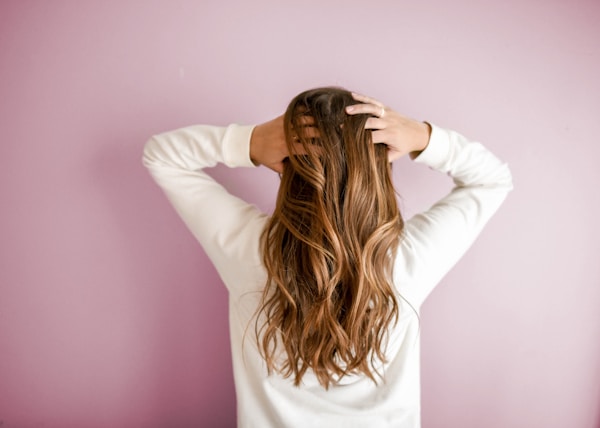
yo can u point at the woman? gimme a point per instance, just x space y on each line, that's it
325 292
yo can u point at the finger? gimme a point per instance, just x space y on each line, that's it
306 120
379 137
307 133
373 109
365 99
375 123
298 149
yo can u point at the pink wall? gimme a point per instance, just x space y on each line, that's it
112 316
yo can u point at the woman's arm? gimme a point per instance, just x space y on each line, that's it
227 227
437 238
433 241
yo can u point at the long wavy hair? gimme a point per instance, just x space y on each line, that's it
329 246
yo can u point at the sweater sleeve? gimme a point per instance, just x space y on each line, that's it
227 227
434 240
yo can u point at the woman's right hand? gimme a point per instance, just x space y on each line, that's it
401 134
268 146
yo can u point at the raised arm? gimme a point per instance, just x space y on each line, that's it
433 241
227 227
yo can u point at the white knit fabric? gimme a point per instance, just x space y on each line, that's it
229 229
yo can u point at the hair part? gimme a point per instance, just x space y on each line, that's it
329 246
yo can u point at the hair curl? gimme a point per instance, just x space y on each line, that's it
329 246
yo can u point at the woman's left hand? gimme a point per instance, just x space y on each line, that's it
401 134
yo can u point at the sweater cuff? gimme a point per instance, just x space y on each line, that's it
236 146
436 152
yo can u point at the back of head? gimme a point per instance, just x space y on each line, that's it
329 246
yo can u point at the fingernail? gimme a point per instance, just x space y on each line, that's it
349 109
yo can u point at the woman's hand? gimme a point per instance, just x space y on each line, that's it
401 134
268 146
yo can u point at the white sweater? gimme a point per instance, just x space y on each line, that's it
229 229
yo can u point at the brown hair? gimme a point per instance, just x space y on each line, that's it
329 246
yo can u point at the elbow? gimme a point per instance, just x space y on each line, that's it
500 180
150 151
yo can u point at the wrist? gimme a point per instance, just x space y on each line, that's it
255 142
422 138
